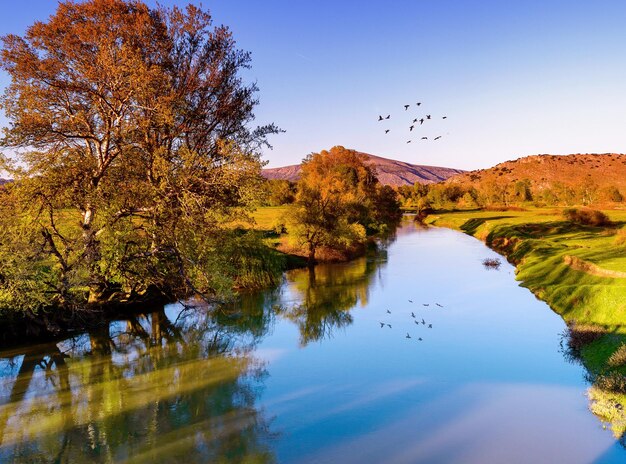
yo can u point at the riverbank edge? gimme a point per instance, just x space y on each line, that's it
607 392
54 324
57 323
506 240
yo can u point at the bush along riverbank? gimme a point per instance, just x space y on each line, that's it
575 261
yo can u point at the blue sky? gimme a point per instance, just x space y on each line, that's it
514 78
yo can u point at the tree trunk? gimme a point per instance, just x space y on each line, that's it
311 262
91 255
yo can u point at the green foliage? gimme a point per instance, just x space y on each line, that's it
132 160
442 196
279 192
339 203
252 264
522 192
498 193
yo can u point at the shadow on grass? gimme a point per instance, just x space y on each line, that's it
471 226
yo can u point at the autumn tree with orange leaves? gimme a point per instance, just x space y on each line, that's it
132 147
339 203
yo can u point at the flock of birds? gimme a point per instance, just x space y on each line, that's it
416 321
421 120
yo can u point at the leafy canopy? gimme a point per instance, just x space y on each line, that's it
339 202
133 149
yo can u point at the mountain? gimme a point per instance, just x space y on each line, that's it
546 171
389 172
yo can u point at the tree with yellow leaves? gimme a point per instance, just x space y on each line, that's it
339 202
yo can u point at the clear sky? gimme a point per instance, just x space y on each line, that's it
514 78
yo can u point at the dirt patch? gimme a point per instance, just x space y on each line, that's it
585 266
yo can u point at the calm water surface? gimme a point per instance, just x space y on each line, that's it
305 373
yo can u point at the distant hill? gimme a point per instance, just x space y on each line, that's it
389 172
544 171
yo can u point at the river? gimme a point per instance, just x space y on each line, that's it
305 373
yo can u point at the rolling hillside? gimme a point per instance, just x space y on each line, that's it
546 171
389 172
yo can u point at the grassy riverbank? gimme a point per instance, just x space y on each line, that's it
580 271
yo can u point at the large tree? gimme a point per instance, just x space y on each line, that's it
133 125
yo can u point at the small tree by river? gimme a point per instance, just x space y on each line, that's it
339 203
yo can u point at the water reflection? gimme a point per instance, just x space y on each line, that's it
179 384
327 293
145 389
607 391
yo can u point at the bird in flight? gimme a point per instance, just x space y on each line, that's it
438 137
388 312
412 314
410 301
406 107
423 322
425 304
388 116
417 322
424 138
389 325
421 121
445 117
380 118
418 103
428 116
439 305
382 324
430 326
415 120
411 128
407 335
420 339
387 131
408 141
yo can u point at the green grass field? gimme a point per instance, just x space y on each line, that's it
267 217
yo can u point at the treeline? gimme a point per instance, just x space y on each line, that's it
450 195
277 192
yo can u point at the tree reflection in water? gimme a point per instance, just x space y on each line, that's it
176 384
145 390
607 382
327 293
